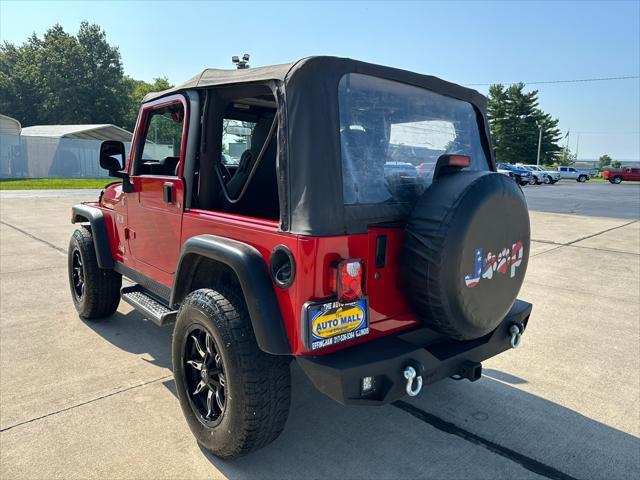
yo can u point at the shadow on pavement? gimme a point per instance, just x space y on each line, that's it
502 376
133 333
322 437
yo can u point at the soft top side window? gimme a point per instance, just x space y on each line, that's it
159 154
238 175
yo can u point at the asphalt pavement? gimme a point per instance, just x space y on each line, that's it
82 399
599 199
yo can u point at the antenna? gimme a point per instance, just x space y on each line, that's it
241 64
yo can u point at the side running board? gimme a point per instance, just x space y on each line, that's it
149 306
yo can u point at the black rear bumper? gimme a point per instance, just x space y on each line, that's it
339 375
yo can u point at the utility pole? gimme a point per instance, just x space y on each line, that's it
539 146
577 146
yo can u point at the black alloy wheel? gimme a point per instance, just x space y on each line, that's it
95 291
77 274
204 375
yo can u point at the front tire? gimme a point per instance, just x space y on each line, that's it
617 180
582 178
241 401
95 291
547 180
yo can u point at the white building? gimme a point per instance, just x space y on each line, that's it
42 151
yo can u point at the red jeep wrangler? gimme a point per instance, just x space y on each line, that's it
263 211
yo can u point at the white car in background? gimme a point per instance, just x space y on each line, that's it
542 175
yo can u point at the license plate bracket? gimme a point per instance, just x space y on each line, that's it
331 323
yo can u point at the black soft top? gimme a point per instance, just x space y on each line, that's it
309 161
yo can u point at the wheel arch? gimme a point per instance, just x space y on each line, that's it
226 260
82 213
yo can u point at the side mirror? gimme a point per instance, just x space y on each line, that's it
112 154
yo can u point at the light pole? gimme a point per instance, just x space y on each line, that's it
539 145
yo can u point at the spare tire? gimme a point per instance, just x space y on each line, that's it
465 252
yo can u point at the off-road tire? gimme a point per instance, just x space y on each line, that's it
101 294
257 385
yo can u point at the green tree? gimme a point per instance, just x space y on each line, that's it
515 119
604 161
566 158
137 90
63 79
616 164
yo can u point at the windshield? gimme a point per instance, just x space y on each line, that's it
392 135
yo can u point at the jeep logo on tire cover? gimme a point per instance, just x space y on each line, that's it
485 267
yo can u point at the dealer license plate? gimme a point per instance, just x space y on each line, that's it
333 322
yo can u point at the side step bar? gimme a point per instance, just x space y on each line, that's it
151 308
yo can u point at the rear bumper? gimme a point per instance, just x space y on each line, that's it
339 375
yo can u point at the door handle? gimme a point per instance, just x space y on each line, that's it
167 192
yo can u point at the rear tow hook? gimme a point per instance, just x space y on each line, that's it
516 335
414 381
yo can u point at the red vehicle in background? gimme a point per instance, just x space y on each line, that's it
628 174
314 247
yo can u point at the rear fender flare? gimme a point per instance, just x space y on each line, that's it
255 281
82 213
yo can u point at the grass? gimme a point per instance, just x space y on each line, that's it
52 183
592 179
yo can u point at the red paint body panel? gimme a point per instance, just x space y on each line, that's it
626 174
388 310
154 237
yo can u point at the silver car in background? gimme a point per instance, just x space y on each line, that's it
543 176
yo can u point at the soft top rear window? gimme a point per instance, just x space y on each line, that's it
392 134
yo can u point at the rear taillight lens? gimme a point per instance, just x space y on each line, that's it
346 280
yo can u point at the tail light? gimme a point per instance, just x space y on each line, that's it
346 280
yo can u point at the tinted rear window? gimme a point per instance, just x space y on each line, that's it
392 134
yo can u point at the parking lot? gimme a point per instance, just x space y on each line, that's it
591 198
96 399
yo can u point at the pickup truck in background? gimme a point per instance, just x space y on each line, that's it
573 173
628 174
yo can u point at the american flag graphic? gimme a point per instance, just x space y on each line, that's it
486 267
473 278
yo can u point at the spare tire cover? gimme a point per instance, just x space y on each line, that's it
465 252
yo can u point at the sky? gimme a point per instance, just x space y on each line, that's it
463 42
